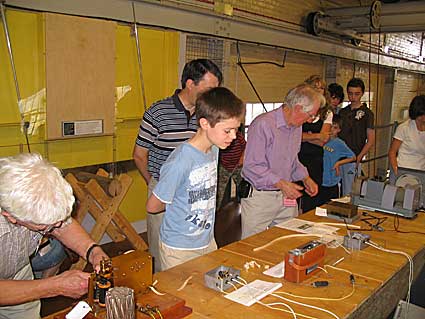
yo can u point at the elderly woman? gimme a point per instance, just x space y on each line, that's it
315 135
408 145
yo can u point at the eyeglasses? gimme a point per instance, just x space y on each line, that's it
311 116
50 228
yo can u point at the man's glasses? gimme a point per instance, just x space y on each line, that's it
311 116
50 228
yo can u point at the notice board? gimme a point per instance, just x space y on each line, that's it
80 76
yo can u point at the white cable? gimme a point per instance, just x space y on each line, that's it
342 246
243 280
318 298
322 269
156 291
261 303
306 305
285 237
239 282
353 273
409 258
232 284
269 305
340 224
185 283
299 303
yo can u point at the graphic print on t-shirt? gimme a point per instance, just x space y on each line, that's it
201 198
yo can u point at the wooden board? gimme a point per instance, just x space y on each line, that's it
80 71
381 278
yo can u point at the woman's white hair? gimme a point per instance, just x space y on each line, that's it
33 190
304 95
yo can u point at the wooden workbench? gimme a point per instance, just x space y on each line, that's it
381 277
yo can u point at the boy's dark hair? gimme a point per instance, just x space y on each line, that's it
336 90
417 107
337 120
356 83
196 69
219 104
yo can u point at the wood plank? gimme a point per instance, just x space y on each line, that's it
79 52
380 277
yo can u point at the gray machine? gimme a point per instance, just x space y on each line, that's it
404 197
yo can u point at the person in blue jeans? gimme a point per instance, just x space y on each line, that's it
48 259
335 154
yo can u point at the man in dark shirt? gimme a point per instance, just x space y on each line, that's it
357 130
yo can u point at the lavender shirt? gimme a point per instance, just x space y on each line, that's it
272 151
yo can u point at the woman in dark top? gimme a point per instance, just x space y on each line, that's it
315 135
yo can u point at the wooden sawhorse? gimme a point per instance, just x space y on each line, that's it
102 197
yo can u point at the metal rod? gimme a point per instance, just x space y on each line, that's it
139 57
9 49
24 124
239 63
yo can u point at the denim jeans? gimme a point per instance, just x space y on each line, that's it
52 257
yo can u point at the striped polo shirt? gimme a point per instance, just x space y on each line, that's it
165 125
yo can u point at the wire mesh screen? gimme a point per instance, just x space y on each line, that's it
198 47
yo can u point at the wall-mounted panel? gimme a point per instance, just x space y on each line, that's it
80 72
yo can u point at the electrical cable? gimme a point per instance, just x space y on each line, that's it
185 283
340 224
232 284
306 305
396 223
269 62
298 303
345 249
323 269
319 298
372 227
285 237
353 273
261 303
243 280
151 287
409 258
270 305
240 64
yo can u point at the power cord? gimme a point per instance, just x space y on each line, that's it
375 225
409 258
293 301
396 223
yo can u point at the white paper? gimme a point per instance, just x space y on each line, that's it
307 227
321 212
79 311
249 294
277 271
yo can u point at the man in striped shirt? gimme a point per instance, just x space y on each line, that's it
167 124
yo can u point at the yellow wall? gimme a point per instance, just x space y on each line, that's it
160 51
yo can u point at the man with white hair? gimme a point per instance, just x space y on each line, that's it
35 200
271 162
